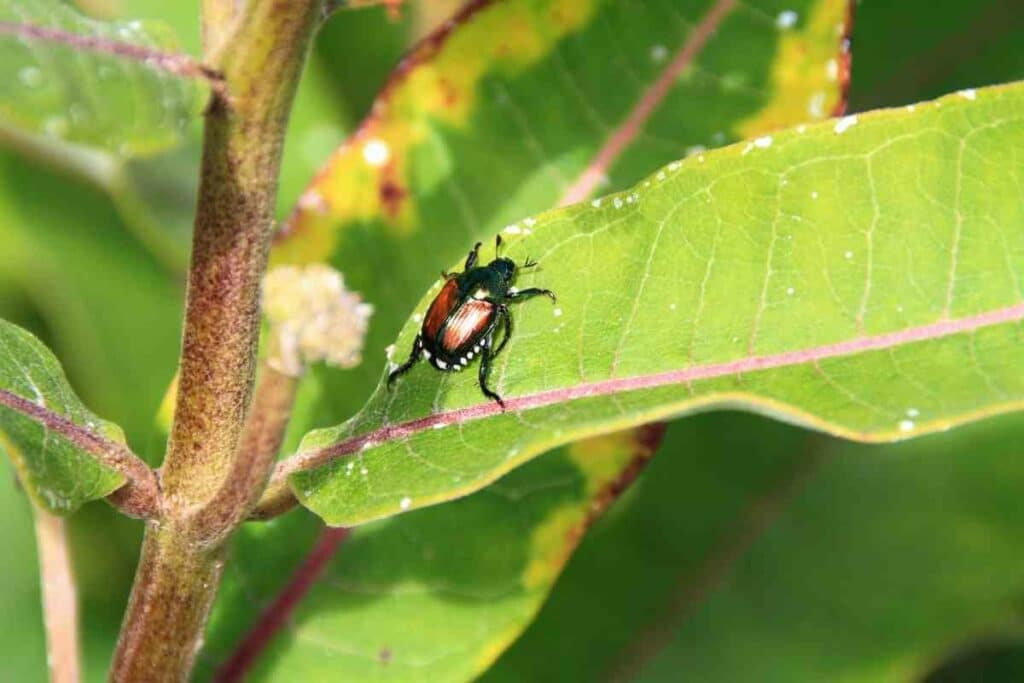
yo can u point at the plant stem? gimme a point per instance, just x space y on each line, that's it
261 57
261 441
60 604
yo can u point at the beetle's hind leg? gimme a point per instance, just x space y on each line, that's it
414 356
485 368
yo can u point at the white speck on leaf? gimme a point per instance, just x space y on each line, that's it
913 412
763 142
969 94
674 166
791 291
596 203
848 255
405 503
906 425
816 105
376 152
417 317
802 128
513 229
659 53
529 222
617 202
814 194
832 69
844 124
557 312
787 19
363 471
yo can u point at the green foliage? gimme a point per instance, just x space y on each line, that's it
55 86
936 511
871 288
58 472
754 550
433 595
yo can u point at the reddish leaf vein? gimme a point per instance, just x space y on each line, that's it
862 344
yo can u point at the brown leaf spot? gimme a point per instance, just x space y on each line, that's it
392 195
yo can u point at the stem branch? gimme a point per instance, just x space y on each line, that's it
60 603
260 57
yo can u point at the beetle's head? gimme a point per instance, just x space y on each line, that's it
505 268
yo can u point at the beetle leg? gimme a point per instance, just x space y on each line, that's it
503 313
485 368
471 259
531 292
417 349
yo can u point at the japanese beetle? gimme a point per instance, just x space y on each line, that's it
464 317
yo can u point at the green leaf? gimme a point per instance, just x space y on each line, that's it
116 86
51 437
755 551
480 132
434 595
801 275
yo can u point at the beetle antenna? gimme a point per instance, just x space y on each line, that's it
497 244
530 263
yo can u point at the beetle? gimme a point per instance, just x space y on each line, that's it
465 316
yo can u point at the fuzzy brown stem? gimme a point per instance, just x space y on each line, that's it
260 57
60 603
261 442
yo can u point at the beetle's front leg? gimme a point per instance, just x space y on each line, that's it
485 368
522 294
414 356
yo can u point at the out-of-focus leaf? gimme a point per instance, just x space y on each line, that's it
434 595
754 551
113 313
57 83
23 648
918 49
58 472
862 277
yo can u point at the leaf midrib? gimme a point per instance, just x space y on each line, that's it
944 327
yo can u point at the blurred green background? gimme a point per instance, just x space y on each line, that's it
744 542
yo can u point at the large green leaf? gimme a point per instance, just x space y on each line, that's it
46 429
435 595
755 551
473 132
102 84
861 277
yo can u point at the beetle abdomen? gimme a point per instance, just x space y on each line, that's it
466 326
